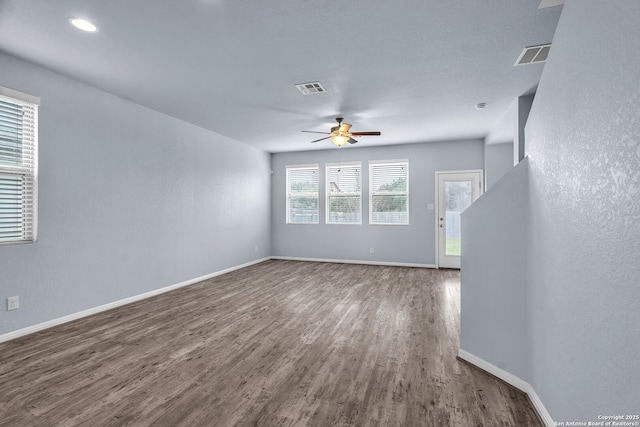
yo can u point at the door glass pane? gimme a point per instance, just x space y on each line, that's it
457 198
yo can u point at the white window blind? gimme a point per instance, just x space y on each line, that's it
344 193
18 167
389 192
302 194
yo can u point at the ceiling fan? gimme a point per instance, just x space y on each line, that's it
340 134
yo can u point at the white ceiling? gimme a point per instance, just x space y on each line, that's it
413 69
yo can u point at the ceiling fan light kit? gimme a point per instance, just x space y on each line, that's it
340 134
339 140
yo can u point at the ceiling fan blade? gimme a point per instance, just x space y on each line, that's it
312 131
321 139
352 141
366 133
344 127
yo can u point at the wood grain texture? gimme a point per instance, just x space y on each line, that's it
281 343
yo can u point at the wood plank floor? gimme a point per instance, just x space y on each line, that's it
280 343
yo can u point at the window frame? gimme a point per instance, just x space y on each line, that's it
376 163
329 194
289 195
27 170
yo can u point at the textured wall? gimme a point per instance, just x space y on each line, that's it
130 200
577 201
498 160
494 323
414 243
583 136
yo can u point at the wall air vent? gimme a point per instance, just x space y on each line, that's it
533 54
310 88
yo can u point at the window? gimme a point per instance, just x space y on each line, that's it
302 194
389 192
18 166
344 193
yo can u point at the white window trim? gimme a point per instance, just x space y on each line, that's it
19 96
372 163
315 166
31 171
328 191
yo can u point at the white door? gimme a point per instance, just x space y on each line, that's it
456 190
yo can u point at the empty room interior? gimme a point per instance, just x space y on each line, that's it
220 213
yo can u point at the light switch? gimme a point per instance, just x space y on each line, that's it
430 206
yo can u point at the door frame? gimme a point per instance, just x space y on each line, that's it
480 172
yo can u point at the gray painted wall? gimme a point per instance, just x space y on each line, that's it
493 269
524 108
583 136
414 243
498 160
580 192
130 200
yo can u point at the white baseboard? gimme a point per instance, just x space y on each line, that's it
74 316
513 380
347 261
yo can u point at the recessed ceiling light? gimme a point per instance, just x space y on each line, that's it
83 24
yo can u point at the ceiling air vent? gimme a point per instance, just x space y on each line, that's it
533 54
310 88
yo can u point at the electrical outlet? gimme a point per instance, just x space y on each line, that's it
372 250
13 303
